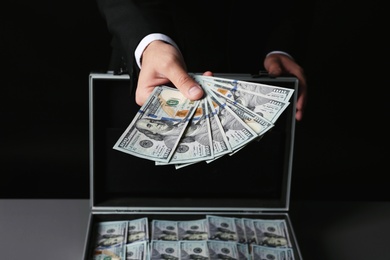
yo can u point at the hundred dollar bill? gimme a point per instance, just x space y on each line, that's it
236 130
263 252
110 234
232 85
158 126
138 230
243 252
240 229
193 229
290 253
223 250
220 143
271 233
113 253
249 231
191 250
222 228
109 240
266 107
259 124
160 250
165 230
182 165
137 251
195 144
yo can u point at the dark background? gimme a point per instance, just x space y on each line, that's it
49 48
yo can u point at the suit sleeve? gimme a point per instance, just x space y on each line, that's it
291 32
128 21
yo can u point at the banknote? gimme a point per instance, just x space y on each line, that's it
137 251
138 230
243 251
258 123
236 130
193 229
113 253
110 234
160 250
196 142
191 250
223 250
156 129
222 228
263 252
110 239
182 165
270 91
250 232
165 230
240 229
220 143
271 233
268 108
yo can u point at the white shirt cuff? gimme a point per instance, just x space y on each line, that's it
147 40
281 52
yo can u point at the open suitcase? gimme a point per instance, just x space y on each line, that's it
253 184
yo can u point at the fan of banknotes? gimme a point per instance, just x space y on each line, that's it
171 129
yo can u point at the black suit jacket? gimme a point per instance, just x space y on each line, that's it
226 37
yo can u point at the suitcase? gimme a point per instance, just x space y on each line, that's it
254 183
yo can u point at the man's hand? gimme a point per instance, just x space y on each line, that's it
163 64
277 64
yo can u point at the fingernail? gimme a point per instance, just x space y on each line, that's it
195 90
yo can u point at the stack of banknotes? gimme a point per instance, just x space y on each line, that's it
171 129
210 238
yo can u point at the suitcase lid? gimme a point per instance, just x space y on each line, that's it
257 178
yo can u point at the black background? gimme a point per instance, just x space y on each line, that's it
49 48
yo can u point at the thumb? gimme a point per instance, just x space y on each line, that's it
273 67
187 85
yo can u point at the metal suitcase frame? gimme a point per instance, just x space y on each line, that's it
124 187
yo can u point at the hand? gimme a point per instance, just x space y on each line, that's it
163 64
277 64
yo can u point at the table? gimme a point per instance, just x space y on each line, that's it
55 229
47 229
342 230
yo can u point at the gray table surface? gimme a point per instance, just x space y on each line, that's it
55 229
43 229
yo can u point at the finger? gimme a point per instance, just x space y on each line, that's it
208 73
142 94
273 66
186 84
278 65
299 108
302 98
146 83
